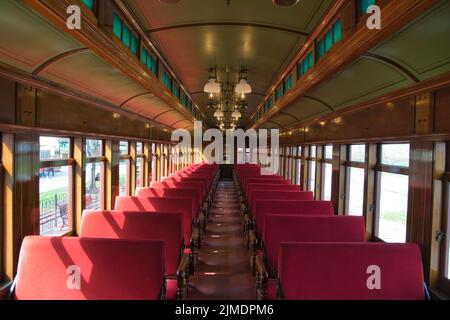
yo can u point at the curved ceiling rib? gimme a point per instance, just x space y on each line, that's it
320 101
134 97
393 64
225 24
164 112
57 58
173 124
289 115
275 123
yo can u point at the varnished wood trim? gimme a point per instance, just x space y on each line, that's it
134 97
57 58
393 64
392 169
56 163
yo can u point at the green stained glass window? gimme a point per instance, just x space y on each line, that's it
280 92
184 100
300 70
337 31
117 26
321 48
311 60
89 4
134 44
366 4
126 34
167 80
328 40
144 56
288 83
176 91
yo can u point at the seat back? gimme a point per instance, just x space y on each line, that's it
183 185
350 271
69 268
257 194
289 207
283 228
167 227
177 205
171 193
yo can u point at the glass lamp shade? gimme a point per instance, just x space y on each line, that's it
212 86
218 114
243 87
236 114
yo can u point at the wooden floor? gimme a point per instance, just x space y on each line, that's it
223 269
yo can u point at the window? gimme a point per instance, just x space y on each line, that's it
189 105
447 210
331 37
124 169
327 172
55 186
154 162
149 61
184 100
2 176
365 4
280 92
167 80
123 32
299 166
89 4
305 65
312 169
176 90
288 83
94 175
355 178
392 195
140 158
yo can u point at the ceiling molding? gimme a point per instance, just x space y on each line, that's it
164 112
135 96
393 64
275 123
173 124
288 114
319 101
227 24
57 58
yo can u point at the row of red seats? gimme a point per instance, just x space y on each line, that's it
301 250
143 249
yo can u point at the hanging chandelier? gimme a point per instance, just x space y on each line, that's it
227 97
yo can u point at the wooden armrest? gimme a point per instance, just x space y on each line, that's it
261 278
248 223
183 276
252 241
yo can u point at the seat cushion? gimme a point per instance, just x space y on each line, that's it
171 289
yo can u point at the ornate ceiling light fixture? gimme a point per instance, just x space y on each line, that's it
285 3
227 97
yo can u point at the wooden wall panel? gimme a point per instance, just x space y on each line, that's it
7 101
442 111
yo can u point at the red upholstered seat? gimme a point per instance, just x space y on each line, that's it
258 194
289 207
171 193
263 180
109 269
178 205
167 227
270 185
203 181
341 271
183 185
283 228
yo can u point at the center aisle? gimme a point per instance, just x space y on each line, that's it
223 269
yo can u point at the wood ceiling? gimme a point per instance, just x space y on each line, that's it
195 35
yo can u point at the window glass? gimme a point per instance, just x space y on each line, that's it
447 273
358 153
139 172
124 177
311 60
300 70
366 4
94 176
355 192
139 148
321 48
52 148
312 151
312 176
288 83
337 31
89 4
167 80
393 207
395 154
328 40
328 171
117 26
328 152
55 200
279 92
94 148
124 147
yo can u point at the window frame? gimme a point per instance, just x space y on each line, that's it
444 282
126 157
349 164
133 34
2 182
69 162
140 157
323 162
298 165
93 160
384 168
309 160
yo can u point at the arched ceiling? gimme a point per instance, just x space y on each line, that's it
418 52
195 35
